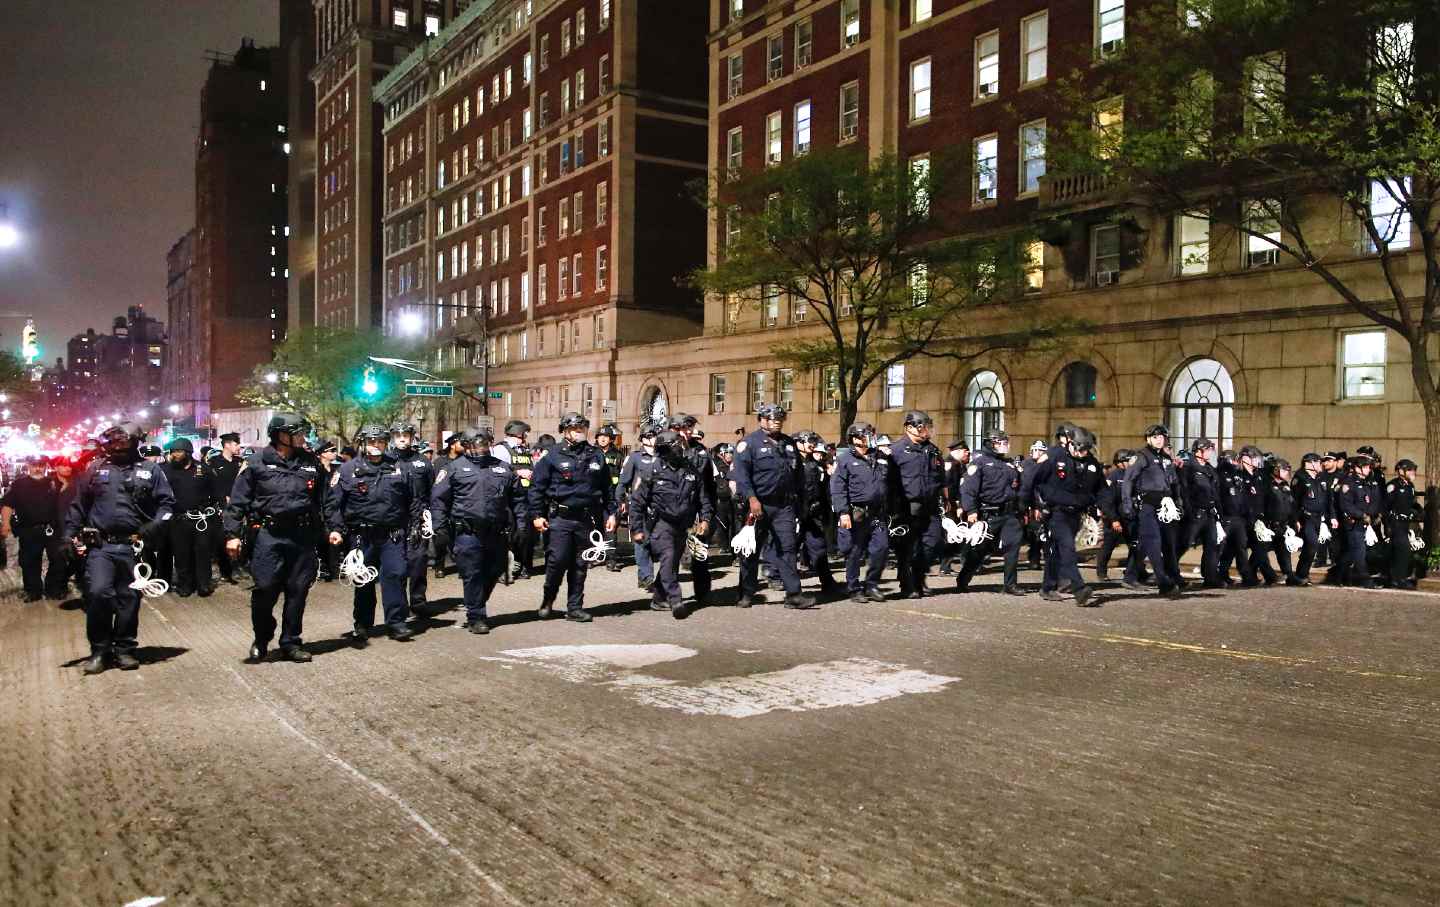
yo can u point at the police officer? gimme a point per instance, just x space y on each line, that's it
570 497
31 510
371 505
153 453
280 490
724 524
668 502
956 465
990 493
921 475
1281 516
698 457
767 480
422 476
1149 482
1254 482
1116 528
632 469
454 448
66 480
606 439
860 492
122 497
471 507
1360 508
1057 494
521 458
328 453
1202 512
1311 491
196 524
1400 513
815 514
1333 465
226 466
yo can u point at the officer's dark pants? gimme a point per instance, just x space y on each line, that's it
192 552
481 557
667 543
329 556
775 541
1201 531
1399 551
1237 544
417 570
724 522
386 552
1310 535
1282 554
112 608
1060 560
867 539
523 545
1006 532
1158 545
1339 571
35 548
644 560
1108 543
568 537
915 550
281 564
1260 556
1358 552
812 538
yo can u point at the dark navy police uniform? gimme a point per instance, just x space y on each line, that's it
572 490
374 505
921 478
862 487
990 489
417 469
471 504
768 469
667 500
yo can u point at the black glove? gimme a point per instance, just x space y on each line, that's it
153 533
442 539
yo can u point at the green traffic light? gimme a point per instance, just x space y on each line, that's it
369 386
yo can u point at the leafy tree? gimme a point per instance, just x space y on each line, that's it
320 373
1303 131
873 251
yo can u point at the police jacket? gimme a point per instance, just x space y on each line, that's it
194 485
418 470
670 492
285 493
1107 499
921 472
574 477
723 472
474 490
1312 495
367 495
1058 482
119 497
699 459
1149 480
865 482
1359 500
635 466
614 459
1279 504
1333 481
1202 488
521 458
990 483
814 490
767 468
1400 500
35 502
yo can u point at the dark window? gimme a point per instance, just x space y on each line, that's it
1079 380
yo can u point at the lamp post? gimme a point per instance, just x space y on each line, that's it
9 233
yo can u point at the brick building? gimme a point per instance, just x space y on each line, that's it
185 369
237 286
297 51
536 217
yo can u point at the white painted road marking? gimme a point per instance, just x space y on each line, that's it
803 688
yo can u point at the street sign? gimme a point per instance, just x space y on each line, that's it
496 395
429 388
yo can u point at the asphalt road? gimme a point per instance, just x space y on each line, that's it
1275 746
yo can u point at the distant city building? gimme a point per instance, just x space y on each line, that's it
121 371
297 50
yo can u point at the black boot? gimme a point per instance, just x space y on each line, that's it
97 662
546 607
126 661
800 602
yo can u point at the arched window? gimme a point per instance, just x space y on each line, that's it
1201 404
984 408
654 409
1078 380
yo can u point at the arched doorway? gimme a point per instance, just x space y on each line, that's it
653 406
982 407
1201 404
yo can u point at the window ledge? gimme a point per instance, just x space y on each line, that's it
1036 83
1033 193
988 99
919 121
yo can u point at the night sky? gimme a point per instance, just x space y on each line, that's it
101 103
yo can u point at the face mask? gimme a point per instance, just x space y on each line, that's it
374 450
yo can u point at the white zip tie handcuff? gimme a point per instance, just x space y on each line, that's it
1416 543
744 541
955 534
1091 533
1371 539
427 525
1293 542
599 549
150 588
1323 535
1264 533
201 518
1167 511
355 571
899 530
1219 532
699 551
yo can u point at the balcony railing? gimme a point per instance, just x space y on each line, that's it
1064 190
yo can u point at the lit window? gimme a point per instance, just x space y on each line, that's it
775 57
920 10
850 22
920 89
1032 156
400 18
432 26
987 65
804 43
1109 126
849 111
1109 26
602 267
735 75
1362 356
1390 214
1265 93
1105 254
1034 48
802 127
1035 266
987 150
895 386
774 150
770 305
602 204
1262 233
575 273
758 386
717 394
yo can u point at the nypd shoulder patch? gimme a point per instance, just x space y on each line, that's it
740 448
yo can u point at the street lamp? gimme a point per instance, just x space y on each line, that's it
411 323
174 409
144 414
9 233
271 377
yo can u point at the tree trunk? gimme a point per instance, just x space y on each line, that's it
1432 474
849 411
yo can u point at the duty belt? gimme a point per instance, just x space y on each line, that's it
372 529
108 538
293 523
572 513
476 527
